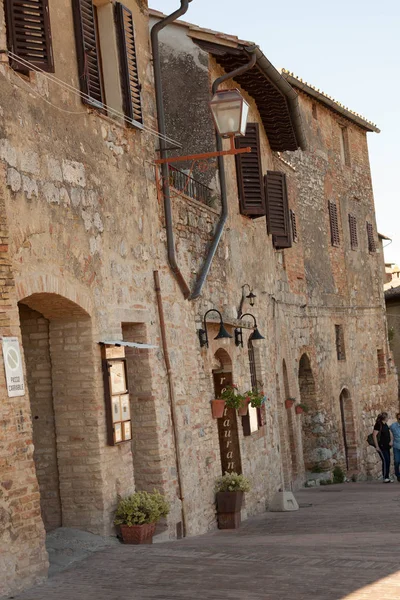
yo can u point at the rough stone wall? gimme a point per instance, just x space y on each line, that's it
393 319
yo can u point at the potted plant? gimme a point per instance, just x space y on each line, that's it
229 397
229 490
217 408
138 514
289 402
301 408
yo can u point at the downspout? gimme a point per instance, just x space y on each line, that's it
155 30
222 179
171 394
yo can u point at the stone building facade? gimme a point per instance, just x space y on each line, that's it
83 247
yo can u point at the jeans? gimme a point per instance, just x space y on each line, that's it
384 453
396 454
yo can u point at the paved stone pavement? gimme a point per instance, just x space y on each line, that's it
343 543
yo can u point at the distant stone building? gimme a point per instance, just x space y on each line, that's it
106 334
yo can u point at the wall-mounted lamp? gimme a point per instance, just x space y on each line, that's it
255 336
250 297
222 334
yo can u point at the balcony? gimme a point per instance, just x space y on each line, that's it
190 187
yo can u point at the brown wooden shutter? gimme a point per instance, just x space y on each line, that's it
294 226
88 55
353 232
29 34
371 239
129 70
249 174
278 219
334 223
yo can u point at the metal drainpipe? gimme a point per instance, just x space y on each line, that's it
222 179
155 30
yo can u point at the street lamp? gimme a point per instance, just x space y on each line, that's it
222 334
255 336
230 111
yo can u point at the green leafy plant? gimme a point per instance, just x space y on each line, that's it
141 508
232 482
338 475
232 397
303 406
257 399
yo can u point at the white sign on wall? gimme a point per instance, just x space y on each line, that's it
13 367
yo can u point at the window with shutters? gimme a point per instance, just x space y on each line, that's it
132 101
340 349
255 418
353 232
29 35
334 223
107 64
294 226
371 239
249 174
278 218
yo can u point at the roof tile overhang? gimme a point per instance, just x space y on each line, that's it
392 293
331 103
276 100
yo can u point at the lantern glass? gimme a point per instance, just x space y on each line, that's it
230 112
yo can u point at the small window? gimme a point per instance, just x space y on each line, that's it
344 146
255 419
294 226
314 110
381 365
371 239
29 34
340 349
353 232
334 223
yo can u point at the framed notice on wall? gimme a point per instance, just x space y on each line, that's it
118 410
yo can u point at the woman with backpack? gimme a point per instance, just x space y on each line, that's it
383 439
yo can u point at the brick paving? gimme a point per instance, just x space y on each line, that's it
344 543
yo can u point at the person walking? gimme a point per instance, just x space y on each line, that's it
395 430
383 439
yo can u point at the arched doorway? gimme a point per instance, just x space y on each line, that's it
308 397
227 426
63 388
348 430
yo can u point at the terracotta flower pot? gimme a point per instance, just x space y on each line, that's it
229 505
217 407
289 403
299 410
242 411
138 534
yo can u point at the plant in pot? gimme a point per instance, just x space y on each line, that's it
301 408
289 402
229 490
138 514
231 398
253 398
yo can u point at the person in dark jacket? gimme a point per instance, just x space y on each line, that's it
383 439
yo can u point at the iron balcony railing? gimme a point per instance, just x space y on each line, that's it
189 186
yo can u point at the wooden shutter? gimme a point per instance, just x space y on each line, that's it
294 226
128 63
334 223
87 52
278 219
371 240
249 174
353 232
28 33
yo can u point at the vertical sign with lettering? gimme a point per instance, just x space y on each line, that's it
228 430
13 367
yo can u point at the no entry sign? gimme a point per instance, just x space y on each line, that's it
13 367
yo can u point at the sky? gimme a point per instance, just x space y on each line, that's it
350 49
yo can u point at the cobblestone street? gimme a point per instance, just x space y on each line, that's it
344 543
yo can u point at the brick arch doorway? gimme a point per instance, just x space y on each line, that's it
228 434
348 430
59 356
308 396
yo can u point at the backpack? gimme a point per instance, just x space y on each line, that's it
370 438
